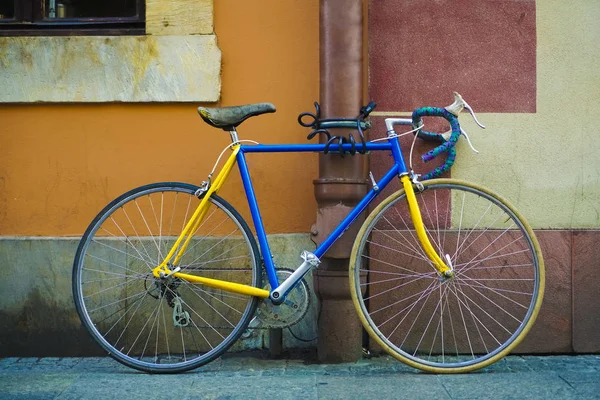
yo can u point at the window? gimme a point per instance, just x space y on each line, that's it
71 17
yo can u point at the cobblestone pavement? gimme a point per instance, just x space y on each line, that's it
247 377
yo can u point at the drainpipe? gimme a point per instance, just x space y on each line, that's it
342 181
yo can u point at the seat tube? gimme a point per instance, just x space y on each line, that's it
257 219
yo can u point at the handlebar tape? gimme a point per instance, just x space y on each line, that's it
446 146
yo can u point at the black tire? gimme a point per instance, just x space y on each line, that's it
156 325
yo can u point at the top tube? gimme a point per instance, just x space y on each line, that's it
307 148
392 145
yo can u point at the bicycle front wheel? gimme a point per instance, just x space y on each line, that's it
447 325
164 325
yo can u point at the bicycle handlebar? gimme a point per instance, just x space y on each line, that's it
448 139
447 144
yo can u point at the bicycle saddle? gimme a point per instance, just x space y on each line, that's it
227 118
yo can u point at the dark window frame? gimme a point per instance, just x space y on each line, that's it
29 20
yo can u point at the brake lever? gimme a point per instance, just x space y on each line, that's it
446 136
459 105
469 140
456 108
470 110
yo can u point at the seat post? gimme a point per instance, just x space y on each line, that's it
234 135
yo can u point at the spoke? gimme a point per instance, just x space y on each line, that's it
462 209
432 274
464 269
129 322
198 290
424 295
112 263
495 291
502 266
146 259
213 246
187 211
451 321
388 280
231 295
457 254
220 259
475 320
202 334
137 236
215 310
493 258
155 310
119 250
156 342
395 288
136 275
107 289
187 267
416 246
440 325
411 306
398 251
151 330
148 227
159 256
138 294
189 251
167 342
428 322
406 243
462 317
447 225
394 265
172 217
91 281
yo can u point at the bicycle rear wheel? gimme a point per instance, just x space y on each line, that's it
455 325
164 325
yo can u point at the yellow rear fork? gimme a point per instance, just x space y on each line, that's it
182 242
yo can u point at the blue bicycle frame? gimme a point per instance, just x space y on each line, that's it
311 260
398 169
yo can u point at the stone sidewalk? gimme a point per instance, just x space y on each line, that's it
249 377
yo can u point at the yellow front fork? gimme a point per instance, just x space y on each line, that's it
415 215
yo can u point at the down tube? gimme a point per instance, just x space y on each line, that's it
257 219
360 207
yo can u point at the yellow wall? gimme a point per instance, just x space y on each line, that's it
61 164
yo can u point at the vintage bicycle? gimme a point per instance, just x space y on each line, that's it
446 276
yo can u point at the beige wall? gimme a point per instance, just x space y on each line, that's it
62 163
548 163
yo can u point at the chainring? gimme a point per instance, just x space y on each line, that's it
292 310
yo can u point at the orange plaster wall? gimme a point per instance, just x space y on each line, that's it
61 164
